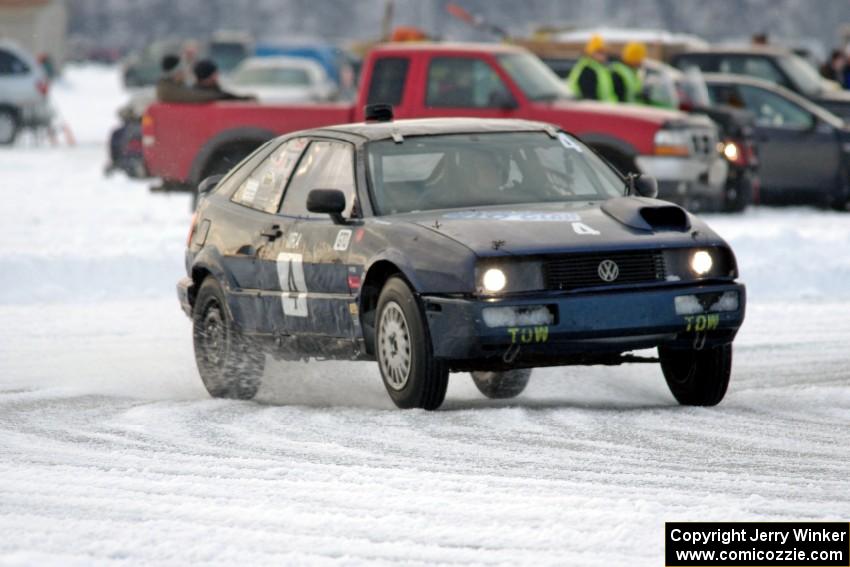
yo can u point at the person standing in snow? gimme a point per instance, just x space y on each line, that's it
590 78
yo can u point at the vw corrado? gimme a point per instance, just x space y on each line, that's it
430 246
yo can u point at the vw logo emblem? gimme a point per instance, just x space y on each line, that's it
608 270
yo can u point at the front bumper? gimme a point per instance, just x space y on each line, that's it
697 183
585 324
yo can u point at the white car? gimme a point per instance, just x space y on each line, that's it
23 92
281 79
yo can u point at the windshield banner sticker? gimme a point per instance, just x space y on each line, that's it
524 216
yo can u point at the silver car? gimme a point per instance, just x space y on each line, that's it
23 92
281 79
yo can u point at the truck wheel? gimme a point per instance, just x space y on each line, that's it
501 385
412 376
8 127
740 195
841 198
697 377
229 365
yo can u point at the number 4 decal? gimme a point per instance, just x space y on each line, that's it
290 273
581 228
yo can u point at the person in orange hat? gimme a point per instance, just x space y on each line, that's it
591 78
626 74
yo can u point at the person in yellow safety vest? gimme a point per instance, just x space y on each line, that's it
591 78
626 74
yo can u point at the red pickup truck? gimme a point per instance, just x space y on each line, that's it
184 143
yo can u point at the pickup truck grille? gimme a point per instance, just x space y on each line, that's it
583 270
704 143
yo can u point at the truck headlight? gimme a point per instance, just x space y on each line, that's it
701 262
674 143
494 280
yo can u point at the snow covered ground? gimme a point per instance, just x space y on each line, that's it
112 453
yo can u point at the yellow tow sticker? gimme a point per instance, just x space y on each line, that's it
528 335
700 323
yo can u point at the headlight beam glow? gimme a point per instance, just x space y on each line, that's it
494 280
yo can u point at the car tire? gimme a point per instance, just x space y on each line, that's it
229 365
8 127
501 385
841 198
413 377
697 377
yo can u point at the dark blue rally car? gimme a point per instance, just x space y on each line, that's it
440 245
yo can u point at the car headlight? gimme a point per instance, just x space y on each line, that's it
503 275
701 262
494 280
689 264
675 143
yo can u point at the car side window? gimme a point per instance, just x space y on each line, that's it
773 111
263 188
324 165
11 65
388 79
726 94
464 82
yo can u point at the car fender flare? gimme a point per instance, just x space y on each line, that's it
235 135
210 260
399 260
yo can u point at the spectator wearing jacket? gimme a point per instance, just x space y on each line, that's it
591 78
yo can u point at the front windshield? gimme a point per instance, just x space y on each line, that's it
533 77
278 76
806 77
478 170
227 55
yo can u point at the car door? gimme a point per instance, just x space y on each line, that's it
796 152
311 258
17 80
256 227
465 86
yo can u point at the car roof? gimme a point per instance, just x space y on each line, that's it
739 50
278 61
434 127
451 46
731 78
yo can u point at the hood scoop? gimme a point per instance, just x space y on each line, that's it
646 214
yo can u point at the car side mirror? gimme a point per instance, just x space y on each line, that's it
327 201
209 184
644 186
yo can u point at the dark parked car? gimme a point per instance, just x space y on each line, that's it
774 65
488 246
804 150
